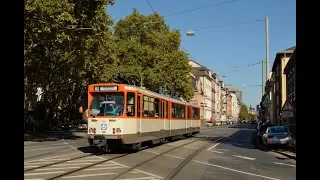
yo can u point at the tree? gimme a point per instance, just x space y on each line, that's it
67 45
243 114
149 54
252 116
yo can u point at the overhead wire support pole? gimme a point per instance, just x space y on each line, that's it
267 48
262 79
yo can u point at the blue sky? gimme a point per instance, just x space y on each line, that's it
221 49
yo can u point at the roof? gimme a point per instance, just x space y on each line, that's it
291 62
278 55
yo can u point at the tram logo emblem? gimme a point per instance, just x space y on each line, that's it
103 126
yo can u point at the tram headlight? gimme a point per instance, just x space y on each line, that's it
113 130
118 130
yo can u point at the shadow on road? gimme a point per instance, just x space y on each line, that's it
53 136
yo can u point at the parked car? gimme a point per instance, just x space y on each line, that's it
262 129
209 124
276 135
82 126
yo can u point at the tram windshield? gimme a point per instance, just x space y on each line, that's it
107 104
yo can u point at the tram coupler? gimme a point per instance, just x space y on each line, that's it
101 143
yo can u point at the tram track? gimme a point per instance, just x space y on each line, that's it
171 175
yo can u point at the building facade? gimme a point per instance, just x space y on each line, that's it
229 105
290 72
235 106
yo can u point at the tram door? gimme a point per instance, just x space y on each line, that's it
139 115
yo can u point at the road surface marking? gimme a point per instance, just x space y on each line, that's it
220 139
36 179
164 155
44 173
223 149
234 170
30 166
150 174
58 165
43 148
102 168
151 152
46 162
62 168
244 157
150 178
85 160
119 164
53 157
284 164
106 165
174 156
216 151
88 175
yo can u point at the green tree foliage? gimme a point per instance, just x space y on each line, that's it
149 54
67 45
243 114
252 116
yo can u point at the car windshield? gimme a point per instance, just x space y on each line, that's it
278 129
107 104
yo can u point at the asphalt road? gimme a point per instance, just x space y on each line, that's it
233 157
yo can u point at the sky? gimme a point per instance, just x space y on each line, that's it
221 49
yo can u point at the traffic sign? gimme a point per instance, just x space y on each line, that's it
288 106
287 114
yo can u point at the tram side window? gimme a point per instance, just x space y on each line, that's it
196 113
145 106
178 110
151 107
130 104
156 108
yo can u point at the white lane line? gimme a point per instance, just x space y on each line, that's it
30 166
164 155
85 160
106 165
244 157
58 165
36 179
119 164
216 151
223 149
150 178
53 157
150 174
213 146
88 175
220 139
49 169
44 173
38 163
174 156
284 164
103 168
234 170
43 148
151 152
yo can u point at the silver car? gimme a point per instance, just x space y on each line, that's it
276 135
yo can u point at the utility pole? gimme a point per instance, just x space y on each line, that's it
262 86
267 48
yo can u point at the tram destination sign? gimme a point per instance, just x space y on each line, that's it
105 88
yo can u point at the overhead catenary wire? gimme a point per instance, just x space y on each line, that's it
199 8
225 25
247 66
184 49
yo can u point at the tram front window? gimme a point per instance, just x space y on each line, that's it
107 104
